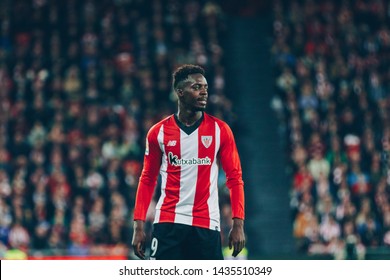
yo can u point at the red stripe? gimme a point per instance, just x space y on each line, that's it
172 189
201 216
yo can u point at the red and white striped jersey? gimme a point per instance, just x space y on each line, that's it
189 165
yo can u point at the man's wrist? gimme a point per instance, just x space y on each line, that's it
138 225
237 222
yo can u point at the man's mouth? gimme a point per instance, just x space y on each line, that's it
202 101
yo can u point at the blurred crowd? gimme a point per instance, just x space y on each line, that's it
333 99
81 82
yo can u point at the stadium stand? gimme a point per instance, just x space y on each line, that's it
332 81
81 82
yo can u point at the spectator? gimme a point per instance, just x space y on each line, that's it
306 228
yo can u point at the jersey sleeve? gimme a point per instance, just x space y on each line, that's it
148 178
231 165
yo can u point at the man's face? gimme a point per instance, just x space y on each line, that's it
193 94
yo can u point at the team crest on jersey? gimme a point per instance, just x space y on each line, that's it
206 140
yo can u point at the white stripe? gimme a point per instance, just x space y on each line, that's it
213 202
188 177
183 219
163 172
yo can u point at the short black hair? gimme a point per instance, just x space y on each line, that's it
182 72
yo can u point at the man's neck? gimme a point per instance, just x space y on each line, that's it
188 118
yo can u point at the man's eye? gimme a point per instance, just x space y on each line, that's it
198 87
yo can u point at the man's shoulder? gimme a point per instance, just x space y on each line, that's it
165 121
212 118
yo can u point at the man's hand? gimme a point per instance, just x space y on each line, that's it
237 236
139 238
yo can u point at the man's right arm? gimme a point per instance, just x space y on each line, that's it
148 179
145 191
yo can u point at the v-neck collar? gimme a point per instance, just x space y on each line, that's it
189 129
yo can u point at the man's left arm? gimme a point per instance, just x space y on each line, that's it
231 164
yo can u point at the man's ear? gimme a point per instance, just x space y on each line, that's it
179 92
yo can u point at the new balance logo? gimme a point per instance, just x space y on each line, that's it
171 143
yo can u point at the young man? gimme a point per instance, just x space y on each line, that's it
187 148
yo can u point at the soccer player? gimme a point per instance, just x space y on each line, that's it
187 149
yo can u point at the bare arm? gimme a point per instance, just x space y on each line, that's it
237 236
139 238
